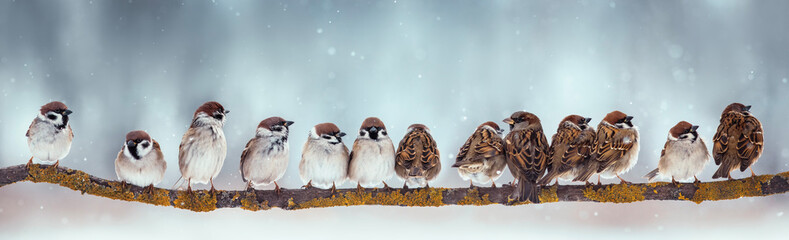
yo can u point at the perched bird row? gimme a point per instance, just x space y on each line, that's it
577 151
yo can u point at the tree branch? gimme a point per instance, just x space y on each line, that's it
763 185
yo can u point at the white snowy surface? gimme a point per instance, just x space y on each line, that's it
127 65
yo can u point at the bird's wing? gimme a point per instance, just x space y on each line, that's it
527 152
750 142
244 155
610 145
721 139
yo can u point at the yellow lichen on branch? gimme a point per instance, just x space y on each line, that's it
430 197
721 190
473 198
616 193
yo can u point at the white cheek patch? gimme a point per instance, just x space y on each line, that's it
126 151
142 151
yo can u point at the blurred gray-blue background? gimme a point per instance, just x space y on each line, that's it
126 65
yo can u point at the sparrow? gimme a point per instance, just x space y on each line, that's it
140 161
265 157
526 149
571 149
739 141
324 158
203 148
49 135
684 155
616 147
481 158
417 158
372 157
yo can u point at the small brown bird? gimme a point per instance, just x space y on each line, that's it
481 159
739 141
372 158
203 147
571 148
616 148
140 161
684 155
417 157
526 149
324 158
49 135
265 157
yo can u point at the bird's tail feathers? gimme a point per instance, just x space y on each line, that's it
652 175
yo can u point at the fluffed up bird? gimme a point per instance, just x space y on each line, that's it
372 157
140 161
49 135
527 152
481 159
571 149
684 155
324 158
616 148
739 141
417 160
265 157
203 148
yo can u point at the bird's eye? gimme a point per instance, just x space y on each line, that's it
145 145
52 116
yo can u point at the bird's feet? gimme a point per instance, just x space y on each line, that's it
308 185
55 166
150 189
277 190
386 187
333 188
29 163
676 184
493 184
359 187
622 181
696 180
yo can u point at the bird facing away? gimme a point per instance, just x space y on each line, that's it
571 149
265 157
684 155
526 149
739 141
417 159
49 135
372 158
203 148
481 159
140 161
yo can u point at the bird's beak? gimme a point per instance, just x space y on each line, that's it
288 123
131 144
747 108
500 131
587 120
509 121
227 111
628 118
373 129
341 134
693 128
67 112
